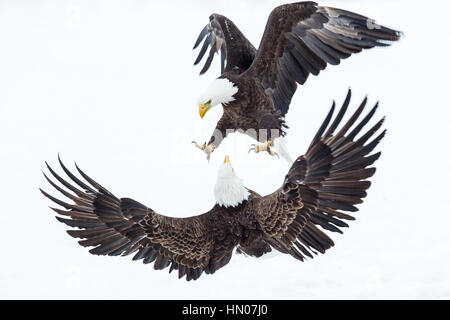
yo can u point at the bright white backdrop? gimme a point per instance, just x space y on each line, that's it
111 85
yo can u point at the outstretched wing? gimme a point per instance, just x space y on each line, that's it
222 35
321 186
116 226
302 38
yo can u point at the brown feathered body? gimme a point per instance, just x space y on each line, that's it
252 112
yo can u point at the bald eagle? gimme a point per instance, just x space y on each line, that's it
256 86
320 187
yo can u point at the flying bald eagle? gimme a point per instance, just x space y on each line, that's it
329 180
256 86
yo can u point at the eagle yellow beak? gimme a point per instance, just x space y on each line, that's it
227 159
203 109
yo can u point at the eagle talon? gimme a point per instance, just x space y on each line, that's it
273 153
263 147
208 149
199 146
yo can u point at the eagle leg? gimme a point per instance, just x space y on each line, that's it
263 147
208 149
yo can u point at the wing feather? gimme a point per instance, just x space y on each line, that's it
222 35
114 227
322 186
304 38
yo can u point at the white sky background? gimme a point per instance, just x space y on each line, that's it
111 85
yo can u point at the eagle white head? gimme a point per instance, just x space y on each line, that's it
221 91
229 190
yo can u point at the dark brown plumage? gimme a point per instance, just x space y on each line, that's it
321 186
300 39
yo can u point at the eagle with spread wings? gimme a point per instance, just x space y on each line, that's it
256 86
317 194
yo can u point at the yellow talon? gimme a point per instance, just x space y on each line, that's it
207 149
264 147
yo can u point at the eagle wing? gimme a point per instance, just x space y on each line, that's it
302 38
222 35
116 227
322 185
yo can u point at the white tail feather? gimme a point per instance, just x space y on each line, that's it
279 144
